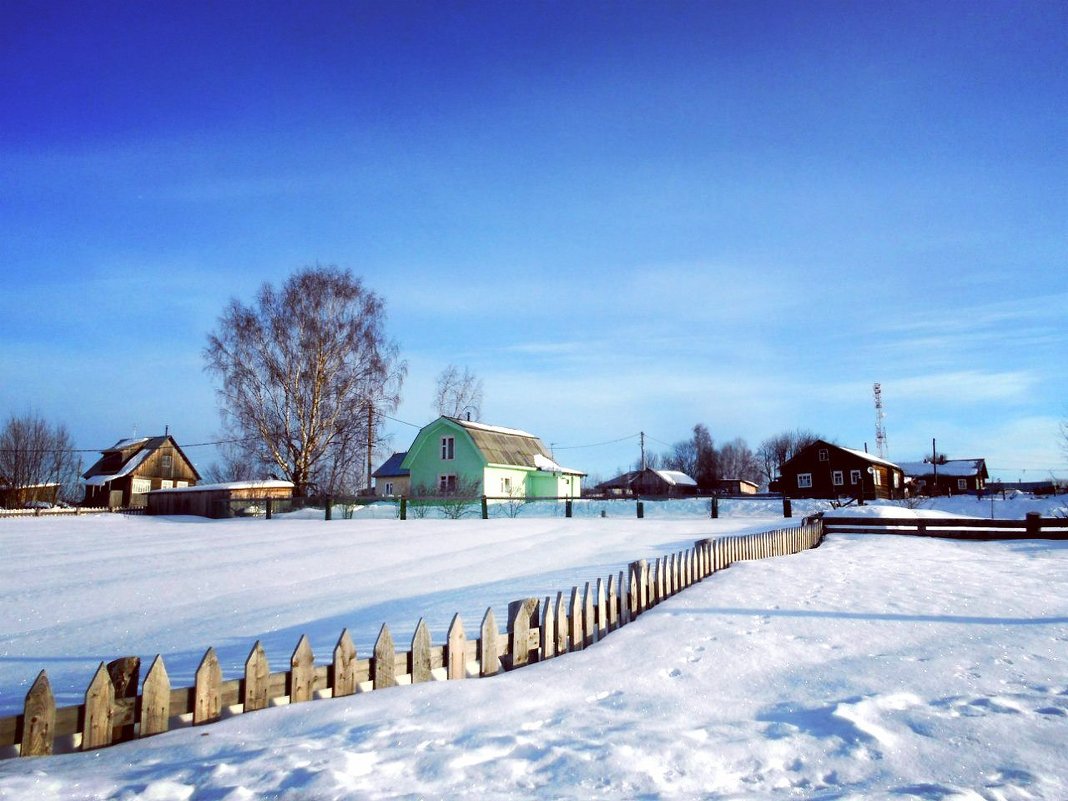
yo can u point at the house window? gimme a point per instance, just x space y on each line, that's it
447 481
389 488
181 484
824 456
962 483
140 486
165 461
897 480
804 480
877 477
448 448
165 484
506 485
854 477
837 478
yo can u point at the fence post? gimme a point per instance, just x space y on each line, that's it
269 508
641 510
124 674
403 508
39 716
485 508
715 507
567 508
522 617
329 513
787 510
1032 525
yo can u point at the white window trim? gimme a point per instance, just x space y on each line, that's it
444 481
876 476
838 478
804 481
854 477
140 486
448 449
824 455
962 483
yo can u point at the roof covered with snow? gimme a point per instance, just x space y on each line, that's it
135 461
545 463
676 478
951 467
231 485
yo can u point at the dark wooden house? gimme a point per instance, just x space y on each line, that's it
649 483
947 477
131 468
824 470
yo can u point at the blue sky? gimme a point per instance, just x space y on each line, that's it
622 216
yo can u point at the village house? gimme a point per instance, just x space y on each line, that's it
128 470
825 470
649 482
453 456
230 499
947 476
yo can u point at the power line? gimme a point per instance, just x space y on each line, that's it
595 444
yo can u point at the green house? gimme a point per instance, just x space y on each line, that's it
452 456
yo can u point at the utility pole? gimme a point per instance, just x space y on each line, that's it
370 442
934 467
642 434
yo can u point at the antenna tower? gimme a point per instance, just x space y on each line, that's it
880 429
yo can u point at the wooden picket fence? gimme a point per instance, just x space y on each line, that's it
114 711
1032 527
62 511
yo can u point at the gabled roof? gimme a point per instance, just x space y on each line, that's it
864 455
137 451
674 478
391 468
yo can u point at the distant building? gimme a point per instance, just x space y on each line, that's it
824 470
948 477
27 495
736 486
649 483
131 468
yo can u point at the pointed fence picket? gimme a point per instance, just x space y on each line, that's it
537 629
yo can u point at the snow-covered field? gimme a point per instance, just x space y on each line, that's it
872 667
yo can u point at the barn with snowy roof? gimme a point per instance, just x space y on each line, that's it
650 482
947 476
451 456
131 468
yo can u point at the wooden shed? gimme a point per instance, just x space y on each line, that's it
233 499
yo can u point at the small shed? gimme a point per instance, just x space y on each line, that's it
736 486
232 499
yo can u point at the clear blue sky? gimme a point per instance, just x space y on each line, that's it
623 216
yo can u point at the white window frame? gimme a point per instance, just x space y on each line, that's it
166 484
838 478
897 480
389 488
825 456
855 477
506 485
447 482
804 481
962 483
876 476
181 484
448 449
165 461
139 486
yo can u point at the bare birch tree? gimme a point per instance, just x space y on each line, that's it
458 394
301 370
33 454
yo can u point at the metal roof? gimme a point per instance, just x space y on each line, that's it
504 446
391 468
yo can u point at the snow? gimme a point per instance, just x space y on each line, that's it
545 463
872 667
869 457
952 467
674 477
132 464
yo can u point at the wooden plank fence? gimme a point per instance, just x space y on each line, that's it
537 629
58 511
1033 527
